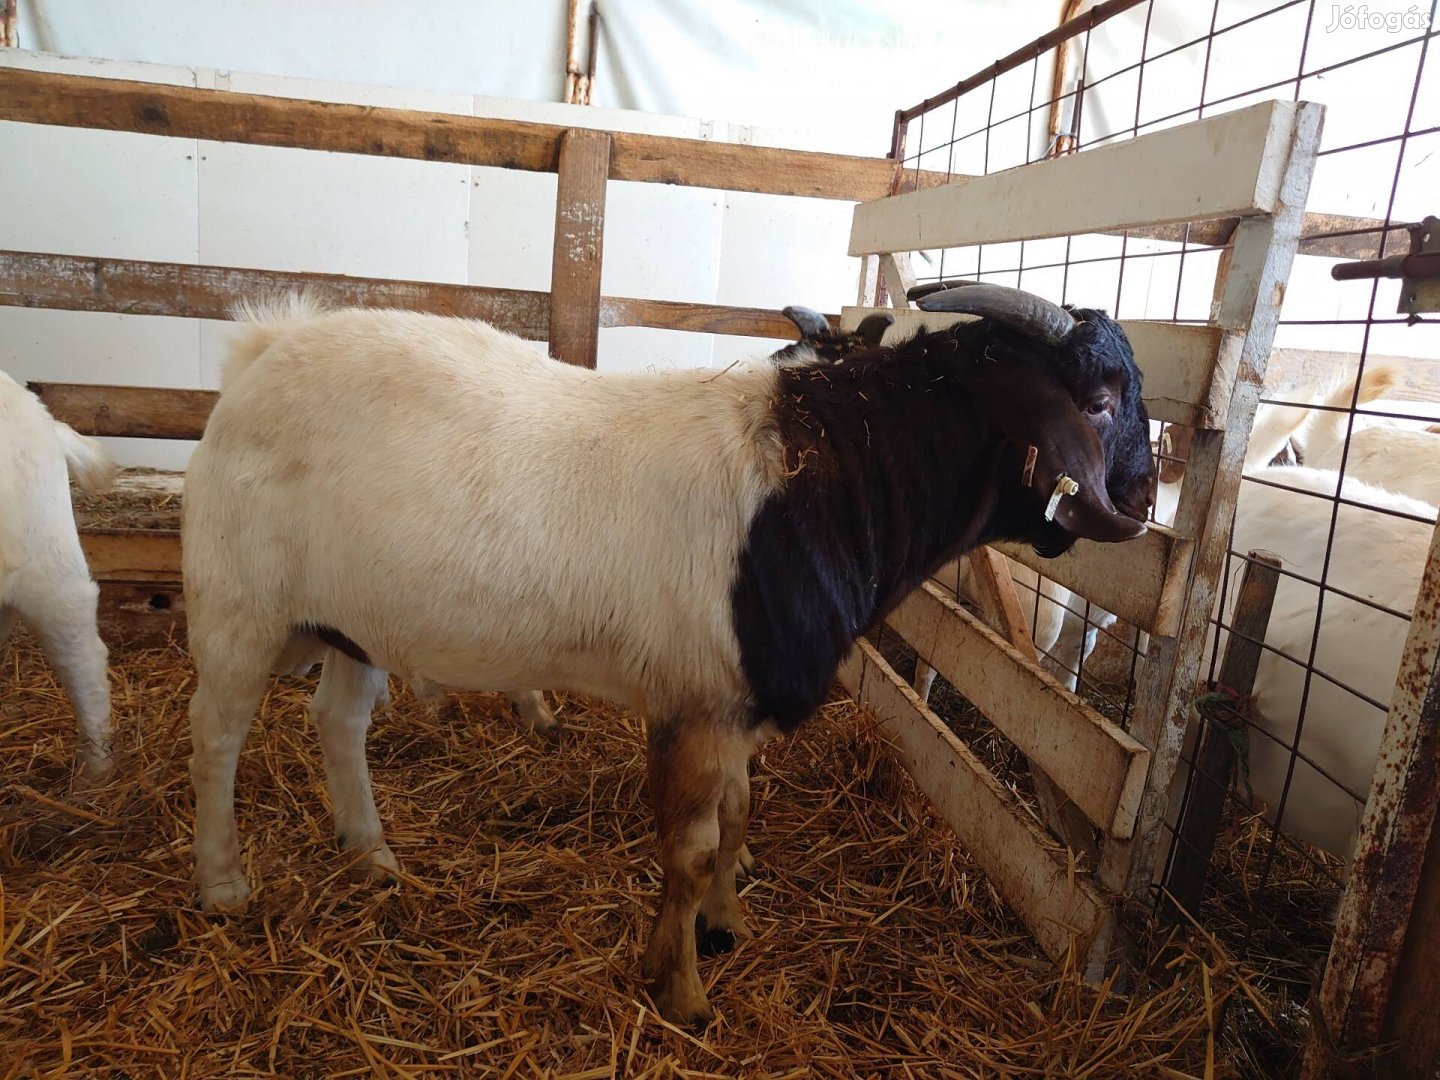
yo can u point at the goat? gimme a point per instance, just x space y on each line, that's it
432 497
818 341
1396 455
1379 557
44 580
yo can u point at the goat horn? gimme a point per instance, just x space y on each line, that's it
1032 315
872 328
915 292
810 323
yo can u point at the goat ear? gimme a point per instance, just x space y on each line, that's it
1032 407
1174 452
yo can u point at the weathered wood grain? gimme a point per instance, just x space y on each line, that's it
132 554
36 97
1092 760
1062 910
579 247
130 411
134 287
1222 166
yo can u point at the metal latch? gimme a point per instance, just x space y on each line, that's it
1419 271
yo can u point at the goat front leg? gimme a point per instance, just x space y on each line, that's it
689 764
719 926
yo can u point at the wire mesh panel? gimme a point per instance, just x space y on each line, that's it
1343 470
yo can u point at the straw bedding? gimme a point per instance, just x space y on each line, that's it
511 946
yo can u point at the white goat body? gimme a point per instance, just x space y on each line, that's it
44 580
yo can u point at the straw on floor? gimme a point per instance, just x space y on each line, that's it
511 947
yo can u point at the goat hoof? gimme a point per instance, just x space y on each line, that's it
745 864
713 941
380 866
94 772
230 895
684 1008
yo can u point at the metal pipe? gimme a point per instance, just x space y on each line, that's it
1091 19
1421 265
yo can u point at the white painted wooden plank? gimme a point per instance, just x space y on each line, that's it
898 277
1060 908
1217 167
1178 361
1099 766
1252 290
1142 580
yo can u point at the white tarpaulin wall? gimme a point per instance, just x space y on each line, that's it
808 74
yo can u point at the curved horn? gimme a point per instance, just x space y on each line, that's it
872 328
811 324
1030 314
915 292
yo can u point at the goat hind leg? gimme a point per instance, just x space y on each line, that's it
719 925
231 682
534 714
64 621
341 710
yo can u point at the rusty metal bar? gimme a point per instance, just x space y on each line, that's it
1352 1024
1421 265
1041 45
1215 755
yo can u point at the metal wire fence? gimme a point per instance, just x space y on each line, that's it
1128 67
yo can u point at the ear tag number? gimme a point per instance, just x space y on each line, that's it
1063 486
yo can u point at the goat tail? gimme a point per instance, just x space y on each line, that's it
1274 427
259 321
91 467
1326 428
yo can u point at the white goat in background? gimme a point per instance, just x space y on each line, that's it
44 580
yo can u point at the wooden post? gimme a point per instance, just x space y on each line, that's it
1215 748
9 34
579 243
1378 1001
1264 247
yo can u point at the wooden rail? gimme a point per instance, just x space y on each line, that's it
1060 908
132 287
1092 760
82 101
1224 166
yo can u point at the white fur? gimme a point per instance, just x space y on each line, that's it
478 515
1394 454
44 581
1375 556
